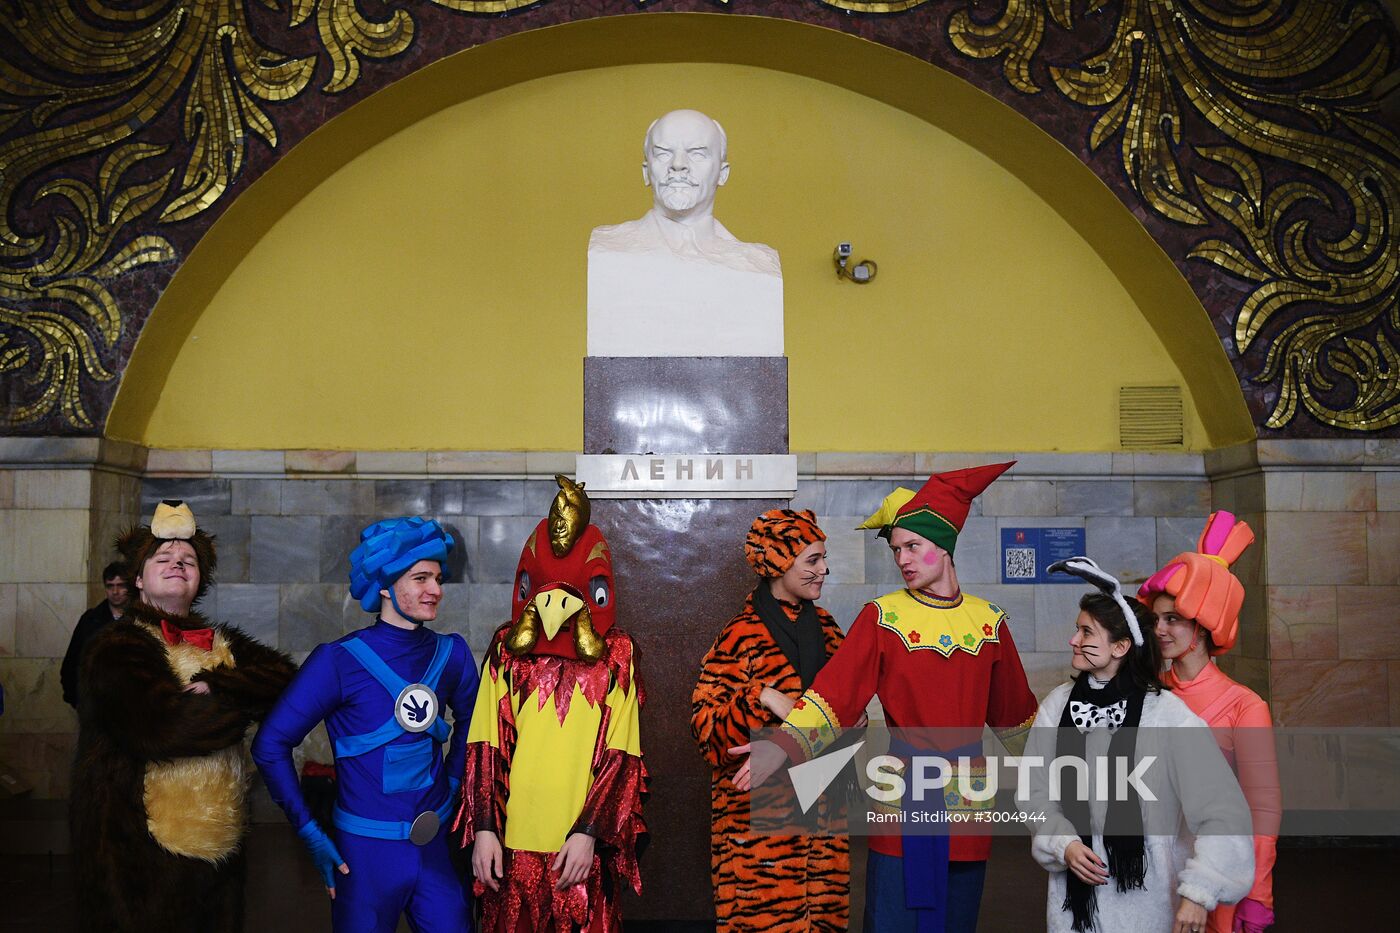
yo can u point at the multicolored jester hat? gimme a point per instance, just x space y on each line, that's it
563 601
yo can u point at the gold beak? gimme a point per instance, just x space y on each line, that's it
554 608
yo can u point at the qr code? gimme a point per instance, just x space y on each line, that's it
1020 563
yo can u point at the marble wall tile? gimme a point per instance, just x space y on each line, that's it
1316 547
484 496
9 604
204 496
1046 670
1308 452
926 464
454 612
1019 497
1253 673
1368 622
253 607
1167 464
310 614
285 549
500 540
1284 491
845 551
1085 497
400 462
880 568
1056 608
53 489
549 462
830 463
539 496
7 489
1339 492
1171 497
249 461
232 535
1328 693
179 461
476 461
810 495
1254 628
340 534
460 566
328 497
856 498
1018 602
1388 491
1302 622
393 497
34 697
845 600
1239 494
1125 547
489 605
1383 548
256 496
978 554
320 461
45 616
1177 533
46 545
1050 464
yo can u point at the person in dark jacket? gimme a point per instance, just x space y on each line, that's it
93 621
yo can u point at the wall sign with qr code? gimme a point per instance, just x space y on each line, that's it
1027 552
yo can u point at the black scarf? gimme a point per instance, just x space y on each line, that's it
801 642
1122 832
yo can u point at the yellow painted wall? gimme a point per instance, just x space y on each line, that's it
430 294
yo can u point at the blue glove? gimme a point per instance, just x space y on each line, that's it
323 851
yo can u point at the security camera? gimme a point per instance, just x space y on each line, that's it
843 250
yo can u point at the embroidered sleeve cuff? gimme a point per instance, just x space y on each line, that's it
812 726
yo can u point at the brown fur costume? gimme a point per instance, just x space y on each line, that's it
158 785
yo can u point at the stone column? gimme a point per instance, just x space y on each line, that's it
62 503
680 575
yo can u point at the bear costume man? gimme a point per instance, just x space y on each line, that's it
160 778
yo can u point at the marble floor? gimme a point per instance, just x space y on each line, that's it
284 894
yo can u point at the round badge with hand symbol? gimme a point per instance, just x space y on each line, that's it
416 708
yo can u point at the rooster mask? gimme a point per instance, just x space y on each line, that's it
563 599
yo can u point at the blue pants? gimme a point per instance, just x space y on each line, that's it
884 896
389 878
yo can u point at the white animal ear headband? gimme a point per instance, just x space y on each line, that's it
1108 584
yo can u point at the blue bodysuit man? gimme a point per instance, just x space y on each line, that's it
381 692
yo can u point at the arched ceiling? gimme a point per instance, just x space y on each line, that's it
1247 144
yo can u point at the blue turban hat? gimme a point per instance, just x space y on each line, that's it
387 549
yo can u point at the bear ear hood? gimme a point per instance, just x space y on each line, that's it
173 521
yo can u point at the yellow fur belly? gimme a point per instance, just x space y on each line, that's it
194 806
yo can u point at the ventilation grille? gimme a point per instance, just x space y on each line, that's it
1150 417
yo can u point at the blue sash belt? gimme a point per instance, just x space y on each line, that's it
351 746
387 829
926 856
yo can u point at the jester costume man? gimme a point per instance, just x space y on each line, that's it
554 782
381 691
165 697
941 661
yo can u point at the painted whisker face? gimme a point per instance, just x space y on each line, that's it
1091 647
804 579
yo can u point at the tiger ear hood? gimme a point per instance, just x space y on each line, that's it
777 537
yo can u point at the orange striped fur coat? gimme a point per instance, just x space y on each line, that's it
774 884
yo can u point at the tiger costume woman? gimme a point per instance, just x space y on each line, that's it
776 884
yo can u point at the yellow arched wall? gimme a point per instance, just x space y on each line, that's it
430 293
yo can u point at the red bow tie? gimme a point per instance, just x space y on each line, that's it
202 638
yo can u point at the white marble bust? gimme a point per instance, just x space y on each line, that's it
676 282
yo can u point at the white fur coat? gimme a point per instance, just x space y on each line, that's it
1199 862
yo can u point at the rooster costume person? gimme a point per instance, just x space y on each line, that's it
165 697
381 692
937 658
1198 590
554 780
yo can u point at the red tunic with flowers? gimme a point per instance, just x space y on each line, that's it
934 663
